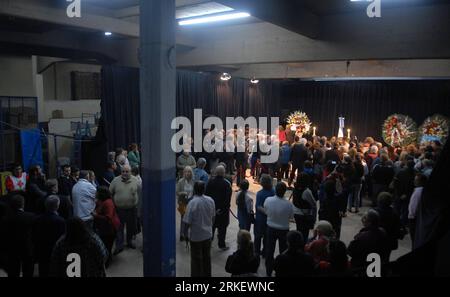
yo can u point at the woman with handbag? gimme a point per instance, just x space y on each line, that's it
184 191
305 206
244 202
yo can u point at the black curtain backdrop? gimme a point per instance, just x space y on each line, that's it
237 97
365 104
120 106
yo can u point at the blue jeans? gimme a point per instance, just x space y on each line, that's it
354 196
272 236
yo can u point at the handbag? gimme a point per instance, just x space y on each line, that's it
182 204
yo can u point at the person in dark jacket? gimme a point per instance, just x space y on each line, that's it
356 185
260 226
48 228
65 209
36 191
65 183
19 239
241 158
294 262
333 154
371 239
332 204
382 175
403 189
109 174
5 213
243 262
299 154
74 175
80 240
389 220
219 189
244 203
284 158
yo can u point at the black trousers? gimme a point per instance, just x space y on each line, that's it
44 266
295 167
201 258
283 171
303 226
272 236
221 223
128 219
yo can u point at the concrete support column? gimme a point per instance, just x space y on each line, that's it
158 83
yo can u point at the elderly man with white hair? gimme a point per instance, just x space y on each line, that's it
125 193
219 189
199 173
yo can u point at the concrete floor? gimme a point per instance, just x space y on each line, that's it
130 262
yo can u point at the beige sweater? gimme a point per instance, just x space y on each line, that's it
125 194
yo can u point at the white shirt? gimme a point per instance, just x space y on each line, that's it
199 216
414 202
83 198
279 212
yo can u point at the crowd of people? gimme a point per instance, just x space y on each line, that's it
326 179
42 221
315 183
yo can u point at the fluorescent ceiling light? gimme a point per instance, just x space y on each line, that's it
108 33
201 10
216 18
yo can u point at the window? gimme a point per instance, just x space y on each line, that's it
85 85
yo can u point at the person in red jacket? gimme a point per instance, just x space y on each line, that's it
17 181
282 134
106 220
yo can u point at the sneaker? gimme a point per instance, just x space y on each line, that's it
225 248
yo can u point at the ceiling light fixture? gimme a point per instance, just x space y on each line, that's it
201 9
216 18
108 33
225 76
254 81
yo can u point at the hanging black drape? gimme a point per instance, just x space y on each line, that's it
365 104
120 106
237 97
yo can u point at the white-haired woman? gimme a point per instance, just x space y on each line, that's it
184 190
